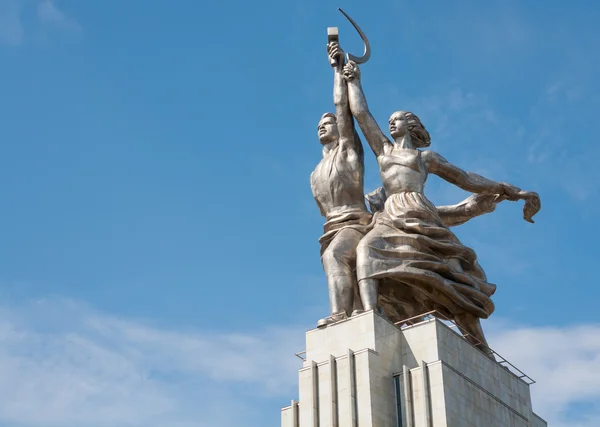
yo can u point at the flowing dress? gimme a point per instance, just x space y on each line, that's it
421 264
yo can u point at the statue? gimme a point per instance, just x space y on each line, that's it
402 257
337 186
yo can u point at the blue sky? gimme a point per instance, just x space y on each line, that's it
159 256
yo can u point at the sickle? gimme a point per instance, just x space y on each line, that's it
367 54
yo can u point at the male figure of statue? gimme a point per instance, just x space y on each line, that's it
337 186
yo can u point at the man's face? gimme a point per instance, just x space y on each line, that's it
327 130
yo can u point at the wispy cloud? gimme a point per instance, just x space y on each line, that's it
554 147
542 142
49 16
565 362
453 111
11 28
62 363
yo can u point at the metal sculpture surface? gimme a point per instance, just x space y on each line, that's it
399 258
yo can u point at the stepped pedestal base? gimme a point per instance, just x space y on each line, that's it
367 372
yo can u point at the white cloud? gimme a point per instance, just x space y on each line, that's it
62 363
565 362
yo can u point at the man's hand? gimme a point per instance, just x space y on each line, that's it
335 53
351 71
479 204
487 203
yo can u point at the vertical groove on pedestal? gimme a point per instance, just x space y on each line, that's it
398 393
295 418
333 388
314 371
352 376
426 395
408 405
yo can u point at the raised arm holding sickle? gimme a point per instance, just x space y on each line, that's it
410 251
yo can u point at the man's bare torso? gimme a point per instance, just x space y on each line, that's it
337 181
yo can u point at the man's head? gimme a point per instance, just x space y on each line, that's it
328 129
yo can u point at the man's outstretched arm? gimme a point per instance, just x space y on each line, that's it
471 207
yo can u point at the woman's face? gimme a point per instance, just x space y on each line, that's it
398 124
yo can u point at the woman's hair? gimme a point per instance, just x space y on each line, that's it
418 134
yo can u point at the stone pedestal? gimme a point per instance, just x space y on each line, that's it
367 372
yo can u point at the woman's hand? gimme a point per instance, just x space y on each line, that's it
351 71
532 204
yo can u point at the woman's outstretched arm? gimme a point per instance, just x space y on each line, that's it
475 183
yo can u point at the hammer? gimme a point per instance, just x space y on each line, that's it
333 36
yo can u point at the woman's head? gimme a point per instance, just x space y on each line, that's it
402 122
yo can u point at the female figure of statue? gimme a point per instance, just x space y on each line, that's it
410 262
